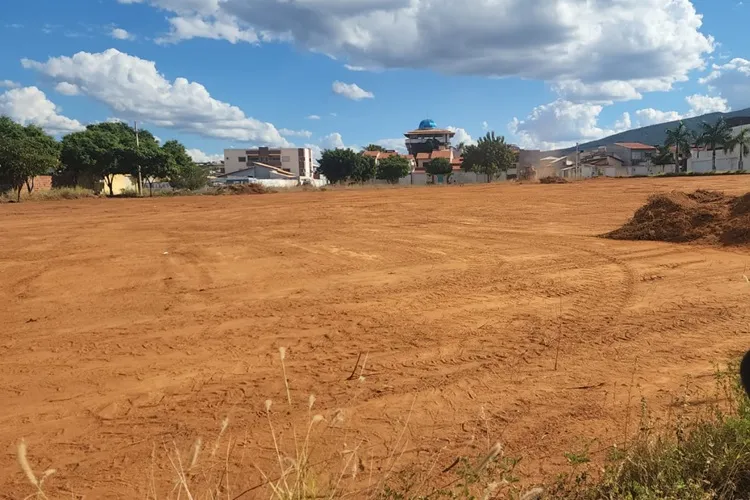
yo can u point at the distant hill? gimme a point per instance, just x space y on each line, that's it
656 134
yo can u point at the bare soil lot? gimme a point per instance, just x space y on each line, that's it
127 324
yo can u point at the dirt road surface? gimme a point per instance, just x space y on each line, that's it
129 325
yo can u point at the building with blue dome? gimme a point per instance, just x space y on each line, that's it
427 124
428 138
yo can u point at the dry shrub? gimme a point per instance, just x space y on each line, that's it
553 179
250 188
705 216
62 193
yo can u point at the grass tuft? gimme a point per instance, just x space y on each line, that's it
707 457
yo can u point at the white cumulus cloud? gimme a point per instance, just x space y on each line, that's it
397 144
562 123
313 117
461 136
596 50
121 34
186 28
66 88
30 106
199 156
731 81
134 89
351 91
295 133
651 116
702 104
9 84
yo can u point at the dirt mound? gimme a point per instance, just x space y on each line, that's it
706 216
552 179
741 205
251 188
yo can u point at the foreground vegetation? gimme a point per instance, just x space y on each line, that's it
698 457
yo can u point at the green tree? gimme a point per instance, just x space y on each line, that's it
716 135
490 156
103 150
77 155
180 168
741 140
680 138
393 168
25 152
364 170
191 177
663 156
439 166
374 147
338 165
156 164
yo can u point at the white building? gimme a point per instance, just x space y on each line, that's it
297 161
701 158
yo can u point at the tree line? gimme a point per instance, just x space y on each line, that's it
98 153
348 166
718 135
490 156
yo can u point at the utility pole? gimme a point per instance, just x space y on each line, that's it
137 147
578 173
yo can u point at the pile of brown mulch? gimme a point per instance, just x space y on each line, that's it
706 216
553 179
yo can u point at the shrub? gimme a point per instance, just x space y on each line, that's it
62 193
128 193
707 458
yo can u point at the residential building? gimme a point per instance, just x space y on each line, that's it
256 171
423 159
633 153
427 138
297 161
381 155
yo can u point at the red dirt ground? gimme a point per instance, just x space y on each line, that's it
131 323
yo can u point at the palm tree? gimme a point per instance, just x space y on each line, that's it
742 139
663 156
714 136
680 138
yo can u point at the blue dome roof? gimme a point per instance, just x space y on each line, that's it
427 124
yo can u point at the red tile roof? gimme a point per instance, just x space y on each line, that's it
444 153
635 145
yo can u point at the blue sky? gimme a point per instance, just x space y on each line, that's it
333 73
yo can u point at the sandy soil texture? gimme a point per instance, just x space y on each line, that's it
128 324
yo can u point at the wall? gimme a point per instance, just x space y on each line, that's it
42 183
723 162
700 161
231 163
623 153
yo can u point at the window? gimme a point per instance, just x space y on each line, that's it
242 159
